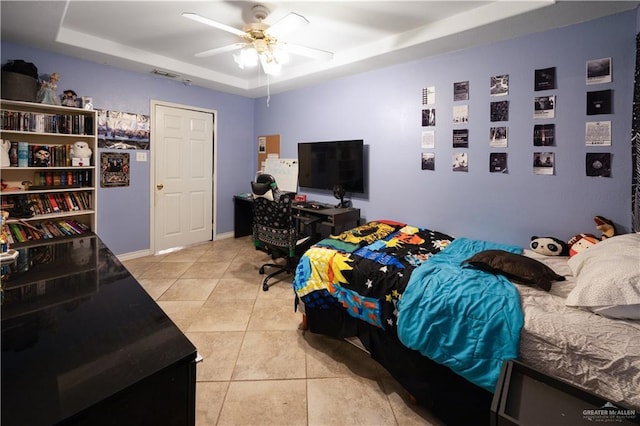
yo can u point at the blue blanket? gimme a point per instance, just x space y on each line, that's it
462 317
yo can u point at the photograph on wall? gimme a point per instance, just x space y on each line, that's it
598 164
499 111
498 137
461 91
114 169
599 102
460 114
544 135
543 163
499 85
598 133
498 162
429 95
460 162
599 71
262 145
428 161
428 117
428 139
461 138
544 79
122 130
544 107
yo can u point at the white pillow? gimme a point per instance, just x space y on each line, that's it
608 277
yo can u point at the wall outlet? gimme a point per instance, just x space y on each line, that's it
141 156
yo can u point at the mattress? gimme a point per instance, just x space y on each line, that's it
595 353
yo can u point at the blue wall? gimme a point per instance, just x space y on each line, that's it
123 216
383 107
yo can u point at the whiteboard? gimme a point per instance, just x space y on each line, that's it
285 172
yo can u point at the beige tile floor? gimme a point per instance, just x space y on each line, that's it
258 367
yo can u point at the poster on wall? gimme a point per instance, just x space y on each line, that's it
461 138
114 169
543 163
544 107
429 95
598 133
460 162
428 160
499 111
599 71
123 130
461 91
544 79
428 139
498 162
498 137
598 164
599 102
499 85
428 117
460 114
544 135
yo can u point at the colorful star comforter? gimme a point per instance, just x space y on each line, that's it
409 281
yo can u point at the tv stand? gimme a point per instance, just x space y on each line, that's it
337 219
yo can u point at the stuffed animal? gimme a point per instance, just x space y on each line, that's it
549 246
80 149
605 226
581 242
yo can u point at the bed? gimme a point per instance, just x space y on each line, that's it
442 317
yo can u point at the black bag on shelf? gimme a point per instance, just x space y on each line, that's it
19 81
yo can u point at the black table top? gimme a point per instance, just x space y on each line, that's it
77 327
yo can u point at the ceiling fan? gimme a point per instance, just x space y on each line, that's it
262 43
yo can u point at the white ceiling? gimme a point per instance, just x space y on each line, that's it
146 35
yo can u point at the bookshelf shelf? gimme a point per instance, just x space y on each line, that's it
58 197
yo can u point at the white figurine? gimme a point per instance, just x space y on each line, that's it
4 153
80 150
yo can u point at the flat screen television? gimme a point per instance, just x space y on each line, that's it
324 165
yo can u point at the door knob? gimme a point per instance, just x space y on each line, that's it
160 186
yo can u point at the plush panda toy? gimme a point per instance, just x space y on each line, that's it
549 246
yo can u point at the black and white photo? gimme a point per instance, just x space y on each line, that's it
544 135
499 85
599 71
544 107
599 102
544 79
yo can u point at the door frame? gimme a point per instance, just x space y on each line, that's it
152 166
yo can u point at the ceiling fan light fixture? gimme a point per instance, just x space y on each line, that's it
246 58
280 55
269 65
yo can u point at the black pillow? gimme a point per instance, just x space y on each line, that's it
516 267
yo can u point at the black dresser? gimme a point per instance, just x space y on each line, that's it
83 343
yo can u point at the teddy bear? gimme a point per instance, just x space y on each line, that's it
549 246
81 150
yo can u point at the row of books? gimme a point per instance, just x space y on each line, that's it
56 202
25 154
76 124
62 178
20 232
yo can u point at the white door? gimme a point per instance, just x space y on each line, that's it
183 187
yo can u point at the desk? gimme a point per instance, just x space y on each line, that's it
334 219
242 216
83 343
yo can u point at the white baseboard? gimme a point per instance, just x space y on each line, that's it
148 252
134 255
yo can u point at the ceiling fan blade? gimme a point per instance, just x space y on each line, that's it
219 50
309 52
291 22
214 24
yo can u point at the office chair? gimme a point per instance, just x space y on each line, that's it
274 228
